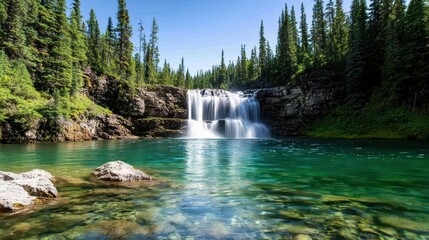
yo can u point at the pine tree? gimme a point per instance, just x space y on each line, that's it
43 42
222 72
286 49
139 55
294 30
180 82
392 69
318 34
13 35
77 35
262 53
253 65
166 74
304 50
154 44
356 82
188 80
339 33
243 66
238 72
152 55
125 47
416 52
375 43
110 42
94 43
330 16
3 15
59 68
78 45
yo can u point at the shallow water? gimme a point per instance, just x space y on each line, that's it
229 189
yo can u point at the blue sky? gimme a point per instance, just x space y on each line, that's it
198 30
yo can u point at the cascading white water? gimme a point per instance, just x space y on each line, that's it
219 113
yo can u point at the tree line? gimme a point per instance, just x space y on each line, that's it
56 48
381 47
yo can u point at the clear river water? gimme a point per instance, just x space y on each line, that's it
228 189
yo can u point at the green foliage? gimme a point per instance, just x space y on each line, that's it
263 53
339 35
19 101
378 119
318 34
125 46
304 48
356 88
77 36
180 80
76 107
152 56
94 42
286 59
109 41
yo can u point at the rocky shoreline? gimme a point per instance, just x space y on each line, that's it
20 191
161 112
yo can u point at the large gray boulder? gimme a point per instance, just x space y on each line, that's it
18 191
13 197
120 172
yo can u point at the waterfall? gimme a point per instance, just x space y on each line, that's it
219 113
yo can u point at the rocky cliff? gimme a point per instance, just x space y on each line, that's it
288 110
161 111
155 111
158 111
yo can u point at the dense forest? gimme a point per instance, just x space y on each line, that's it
378 54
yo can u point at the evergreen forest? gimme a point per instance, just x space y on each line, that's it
376 54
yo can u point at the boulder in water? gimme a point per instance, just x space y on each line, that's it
120 172
18 191
13 197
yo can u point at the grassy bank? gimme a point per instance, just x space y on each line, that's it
374 121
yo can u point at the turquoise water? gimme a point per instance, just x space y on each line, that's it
229 189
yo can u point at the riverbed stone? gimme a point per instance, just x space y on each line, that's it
18 191
301 237
403 223
37 173
120 172
38 187
13 197
298 229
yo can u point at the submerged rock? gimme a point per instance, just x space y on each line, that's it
18 191
119 171
403 223
302 237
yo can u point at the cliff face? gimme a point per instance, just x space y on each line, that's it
288 110
158 111
161 111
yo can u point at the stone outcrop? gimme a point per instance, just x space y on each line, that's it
153 101
18 191
288 110
109 127
159 127
154 111
120 172
106 126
